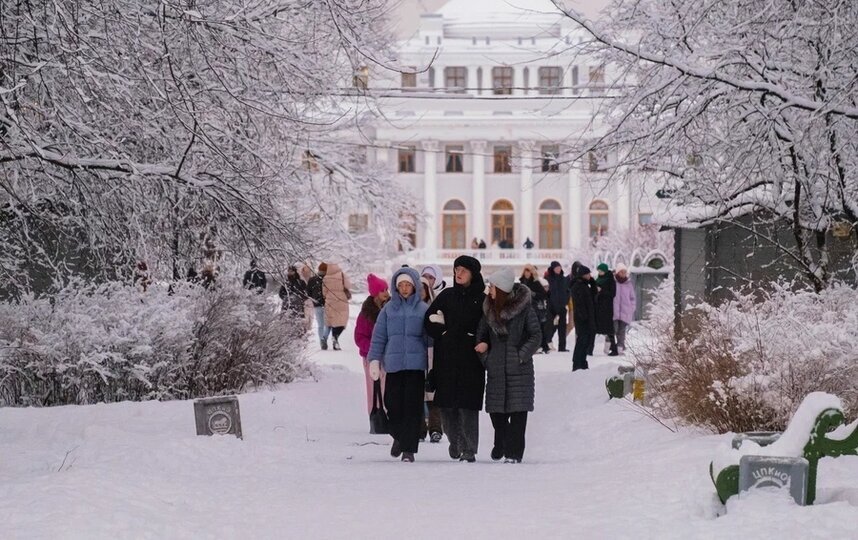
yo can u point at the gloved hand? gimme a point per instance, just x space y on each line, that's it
374 370
430 382
437 317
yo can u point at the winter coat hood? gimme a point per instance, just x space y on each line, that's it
395 298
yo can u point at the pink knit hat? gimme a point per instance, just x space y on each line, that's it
375 284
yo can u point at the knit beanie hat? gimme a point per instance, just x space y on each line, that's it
404 277
375 285
581 271
621 267
468 262
602 267
503 279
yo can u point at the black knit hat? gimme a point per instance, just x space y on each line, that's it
581 271
468 262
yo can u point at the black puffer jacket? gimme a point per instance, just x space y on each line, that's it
513 337
458 375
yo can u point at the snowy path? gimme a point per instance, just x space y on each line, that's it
308 468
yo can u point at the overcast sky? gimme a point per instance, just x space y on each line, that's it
407 12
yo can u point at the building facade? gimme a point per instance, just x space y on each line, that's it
485 127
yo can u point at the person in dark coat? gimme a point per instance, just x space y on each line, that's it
254 279
508 336
593 291
538 299
558 297
457 374
316 293
584 315
293 293
606 291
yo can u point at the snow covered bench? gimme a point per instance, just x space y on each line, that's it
816 430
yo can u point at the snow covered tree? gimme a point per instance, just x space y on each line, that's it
165 130
743 108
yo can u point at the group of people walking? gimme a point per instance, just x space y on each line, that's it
323 295
457 348
453 347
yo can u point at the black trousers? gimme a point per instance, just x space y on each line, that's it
337 331
560 327
509 433
583 344
462 427
403 399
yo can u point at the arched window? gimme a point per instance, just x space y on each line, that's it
550 225
503 223
599 213
453 225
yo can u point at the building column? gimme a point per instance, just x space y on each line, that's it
430 197
527 211
382 152
473 81
575 209
478 199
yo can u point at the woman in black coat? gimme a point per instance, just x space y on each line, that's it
457 375
607 290
584 315
538 299
293 293
508 336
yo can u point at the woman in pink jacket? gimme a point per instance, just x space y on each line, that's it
369 310
624 305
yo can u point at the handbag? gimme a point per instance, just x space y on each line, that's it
377 416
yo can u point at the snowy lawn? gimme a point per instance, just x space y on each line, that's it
307 467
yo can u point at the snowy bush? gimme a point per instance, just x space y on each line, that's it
113 342
746 364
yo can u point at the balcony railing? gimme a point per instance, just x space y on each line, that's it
489 255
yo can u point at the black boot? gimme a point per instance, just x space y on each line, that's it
336 345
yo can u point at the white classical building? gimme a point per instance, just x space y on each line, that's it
484 130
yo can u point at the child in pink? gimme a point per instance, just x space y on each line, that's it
369 310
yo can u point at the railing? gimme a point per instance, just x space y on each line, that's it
489 255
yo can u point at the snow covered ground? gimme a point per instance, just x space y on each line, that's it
307 467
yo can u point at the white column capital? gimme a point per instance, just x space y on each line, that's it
478 146
429 145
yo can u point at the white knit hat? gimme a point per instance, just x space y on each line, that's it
620 267
404 277
503 279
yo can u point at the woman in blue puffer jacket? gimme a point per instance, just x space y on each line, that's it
399 343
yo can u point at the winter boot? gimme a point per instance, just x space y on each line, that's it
395 449
336 345
470 458
497 453
511 460
435 437
454 452
324 343
408 457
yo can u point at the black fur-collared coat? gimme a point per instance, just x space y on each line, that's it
513 338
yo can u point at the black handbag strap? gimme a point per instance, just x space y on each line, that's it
377 401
